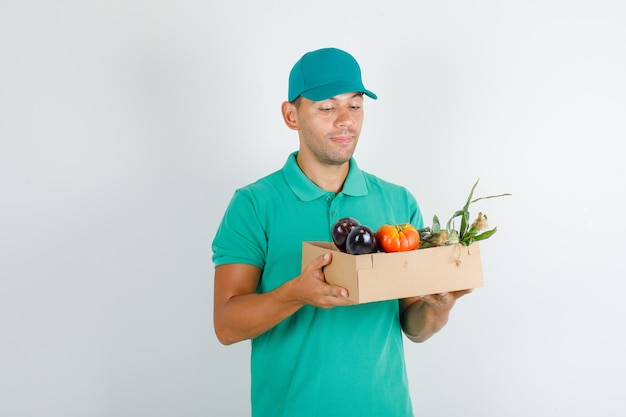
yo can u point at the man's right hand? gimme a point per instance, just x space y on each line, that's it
311 287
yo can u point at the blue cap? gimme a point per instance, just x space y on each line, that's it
325 73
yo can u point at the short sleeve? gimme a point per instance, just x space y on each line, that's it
240 237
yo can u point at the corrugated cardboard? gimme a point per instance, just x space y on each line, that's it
385 276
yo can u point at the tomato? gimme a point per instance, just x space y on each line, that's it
398 238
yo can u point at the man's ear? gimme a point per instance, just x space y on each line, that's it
290 115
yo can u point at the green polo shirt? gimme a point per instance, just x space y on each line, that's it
342 361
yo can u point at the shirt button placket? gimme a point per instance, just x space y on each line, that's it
332 211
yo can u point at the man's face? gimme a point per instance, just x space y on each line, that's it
329 129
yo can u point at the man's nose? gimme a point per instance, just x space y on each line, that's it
344 118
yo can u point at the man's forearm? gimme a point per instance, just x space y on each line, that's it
421 320
247 316
241 313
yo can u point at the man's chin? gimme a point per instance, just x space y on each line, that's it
337 158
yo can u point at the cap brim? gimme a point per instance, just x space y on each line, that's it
327 91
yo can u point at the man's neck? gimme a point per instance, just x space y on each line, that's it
327 177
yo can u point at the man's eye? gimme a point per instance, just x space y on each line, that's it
326 109
355 107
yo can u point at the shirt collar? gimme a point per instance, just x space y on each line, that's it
307 190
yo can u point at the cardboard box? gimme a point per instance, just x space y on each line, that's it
385 276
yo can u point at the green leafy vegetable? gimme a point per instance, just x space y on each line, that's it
467 233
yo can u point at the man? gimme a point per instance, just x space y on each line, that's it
314 353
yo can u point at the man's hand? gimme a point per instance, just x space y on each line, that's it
443 301
423 316
311 287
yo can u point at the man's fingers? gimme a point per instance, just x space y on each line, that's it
325 259
461 293
321 261
444 298
318 263
329 295
337 291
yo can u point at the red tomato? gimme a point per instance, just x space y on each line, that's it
398 238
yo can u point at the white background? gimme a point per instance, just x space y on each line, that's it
125 126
